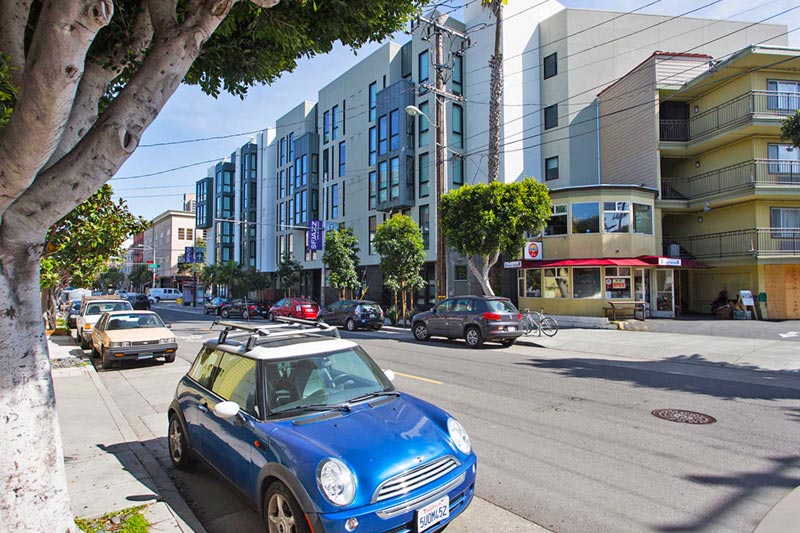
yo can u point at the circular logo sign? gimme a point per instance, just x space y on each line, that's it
533 249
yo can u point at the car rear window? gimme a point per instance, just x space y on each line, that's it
501 306
371 308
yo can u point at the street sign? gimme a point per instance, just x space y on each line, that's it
150 261
153 266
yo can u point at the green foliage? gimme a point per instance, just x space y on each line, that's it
399 243
79 245
8 93
341 257
131 520
111 278
140 276
790 129
499 214
289 273
232 275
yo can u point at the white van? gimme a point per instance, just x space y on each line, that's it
163 293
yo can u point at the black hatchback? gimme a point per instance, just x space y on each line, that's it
139 301
474 318
354 314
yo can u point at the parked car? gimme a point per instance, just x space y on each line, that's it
72 313
139 301
353 314
122 293
163 293
91 310
132 335
210 306
474 318
313 433
294 308
244 309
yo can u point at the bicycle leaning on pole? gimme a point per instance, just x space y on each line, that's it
539 322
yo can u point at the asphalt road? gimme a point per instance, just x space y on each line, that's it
562 441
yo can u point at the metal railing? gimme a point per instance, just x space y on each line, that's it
745 106
750 242
753 173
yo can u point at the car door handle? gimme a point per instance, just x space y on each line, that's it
203 407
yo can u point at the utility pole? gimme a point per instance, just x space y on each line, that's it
440 93
194 267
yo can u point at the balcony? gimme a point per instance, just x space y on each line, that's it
758 242
747 175
743 108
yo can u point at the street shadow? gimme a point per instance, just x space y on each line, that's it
663 374
793 415
742 487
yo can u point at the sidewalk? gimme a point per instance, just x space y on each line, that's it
108 469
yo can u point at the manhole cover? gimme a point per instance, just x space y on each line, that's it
687 417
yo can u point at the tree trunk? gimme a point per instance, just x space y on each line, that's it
495 93
34 487
482 273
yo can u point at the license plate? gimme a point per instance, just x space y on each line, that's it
145 356
433 513
512 328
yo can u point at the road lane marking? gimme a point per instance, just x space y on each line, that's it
789 334
420 378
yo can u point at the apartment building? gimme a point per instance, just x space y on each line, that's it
574 115
164 244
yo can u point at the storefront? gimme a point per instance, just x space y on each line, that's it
584 287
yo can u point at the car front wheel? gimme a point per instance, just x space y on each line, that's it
178 449
271 317
421 332
350 324
473 337
108 362
225 313
282 514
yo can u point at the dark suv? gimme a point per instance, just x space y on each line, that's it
354 314
244 309
139 302
474 318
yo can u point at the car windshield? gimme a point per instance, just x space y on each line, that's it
134 321
330 380
501 306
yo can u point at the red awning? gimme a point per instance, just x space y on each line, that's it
641 261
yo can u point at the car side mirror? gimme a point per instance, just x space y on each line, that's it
169 326
389 374
226 409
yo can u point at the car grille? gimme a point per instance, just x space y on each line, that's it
413 479
143 343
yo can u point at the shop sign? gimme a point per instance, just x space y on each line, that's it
512 264
533 251
669 262
619 283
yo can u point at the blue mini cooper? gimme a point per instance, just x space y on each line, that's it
309 428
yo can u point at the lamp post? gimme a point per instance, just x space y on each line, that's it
439 154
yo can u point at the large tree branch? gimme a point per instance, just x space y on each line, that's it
13 19
163 15
64 32
114 137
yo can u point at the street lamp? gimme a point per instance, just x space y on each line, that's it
439 155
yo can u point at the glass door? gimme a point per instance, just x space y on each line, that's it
664 288
641 284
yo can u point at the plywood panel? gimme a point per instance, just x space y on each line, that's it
783 291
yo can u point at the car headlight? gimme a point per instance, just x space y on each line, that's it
459 436
168 340
120 344
336 482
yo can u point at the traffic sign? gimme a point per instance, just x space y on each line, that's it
153 266
150 261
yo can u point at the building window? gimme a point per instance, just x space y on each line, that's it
616 217
326 126
643 219
373 228
458 171
529 283
335 122
551 168
458 75
394 130
325 165
335 201
423 67
551 116
181 234
383 143
394 178
373 146
373 99
342 160
586 283
586 218
458 126
784 95
283 151
373 178
425 225
189 234
424 125
291 148
383 181
409 178
424 175
785 159
618 283
557 225
556 282
551 65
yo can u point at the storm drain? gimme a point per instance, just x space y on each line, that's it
686 417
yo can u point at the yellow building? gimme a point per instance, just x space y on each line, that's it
697 193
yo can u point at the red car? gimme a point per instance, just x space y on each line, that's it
295 308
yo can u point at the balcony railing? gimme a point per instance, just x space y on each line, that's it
771 103
753 173
750 242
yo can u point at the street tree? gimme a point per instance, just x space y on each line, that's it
498 216
113 278
341 258
495 87
399 243
140 276
790 129
88 78
231 274
288 273
78 246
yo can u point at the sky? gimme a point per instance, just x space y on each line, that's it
190 114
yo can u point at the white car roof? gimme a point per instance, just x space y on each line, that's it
296 346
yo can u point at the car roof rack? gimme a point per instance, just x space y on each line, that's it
302 326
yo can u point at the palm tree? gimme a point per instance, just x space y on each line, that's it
495 87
